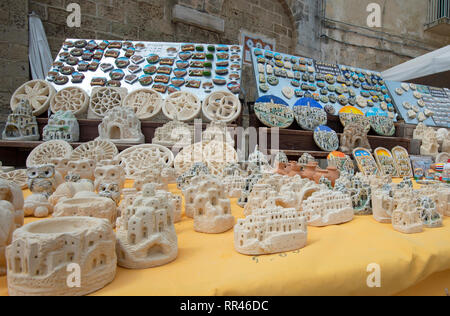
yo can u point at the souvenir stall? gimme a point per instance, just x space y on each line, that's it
115 173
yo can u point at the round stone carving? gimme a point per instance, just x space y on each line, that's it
97 150
146 103
138 159
44 153
105 99
222 106
215 155
274 112
182 106
41 252
326 138
37 92
72 99
18 177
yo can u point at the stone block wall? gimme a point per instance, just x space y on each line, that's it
14 66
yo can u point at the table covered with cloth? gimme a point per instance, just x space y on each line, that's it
334 262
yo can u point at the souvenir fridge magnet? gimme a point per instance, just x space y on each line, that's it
326 138
385 162
273 112
365 161
309 114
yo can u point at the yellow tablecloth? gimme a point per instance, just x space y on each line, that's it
334 262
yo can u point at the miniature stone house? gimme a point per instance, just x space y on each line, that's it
40 252
62 125
406 218
21 124
206 201
146 234
354 136
174 133
430 145
358 187
327 208
270 230
121 125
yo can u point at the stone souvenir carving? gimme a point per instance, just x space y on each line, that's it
146 103
12 198
217 131
326 138
68 190
42 183
38 93
129 196
150 176
21 124
40 253
326 208
198 168
104 99
7 227
174 134
19 177
402 161
109 173
428 212
222 106
87 204
61 166
143 157
274 112
97 150
385 162
81 169
207 202
309 114
406 217
216 155
259 197
382 124
359 189
419 132
62 126
383 204
355 117
442 134
446 145
111 191
280 157
270 230
72 99
250 182
121 126
146 236
182 106
430 145
259 159
365 161
306 159
44 153
233 185
354 136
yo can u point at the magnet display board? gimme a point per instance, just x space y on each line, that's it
436 100
333 86
213 67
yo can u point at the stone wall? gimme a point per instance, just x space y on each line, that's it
14 67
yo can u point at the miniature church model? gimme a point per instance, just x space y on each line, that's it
121 126
62 125
21 124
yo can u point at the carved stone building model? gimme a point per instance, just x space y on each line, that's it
328 208
7 227
354 136
174 134
21 124
146 236
40 253
121 126
430 145
62 126
206 201
358 187
11 195
406 217
270 230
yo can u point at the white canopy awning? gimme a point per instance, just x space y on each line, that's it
426 65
